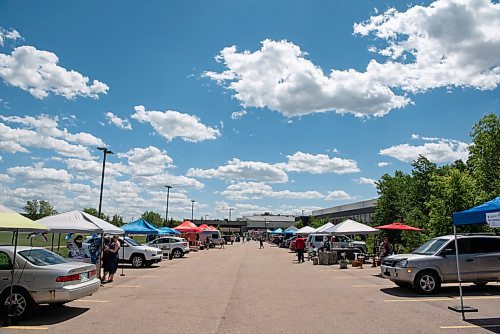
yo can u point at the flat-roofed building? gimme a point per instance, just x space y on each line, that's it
360 211
267 221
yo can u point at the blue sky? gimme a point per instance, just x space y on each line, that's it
260 106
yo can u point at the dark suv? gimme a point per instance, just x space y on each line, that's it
435 262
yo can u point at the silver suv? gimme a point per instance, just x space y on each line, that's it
434 263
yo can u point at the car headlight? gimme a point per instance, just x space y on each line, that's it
148 250
402 264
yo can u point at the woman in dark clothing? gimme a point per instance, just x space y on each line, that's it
110 259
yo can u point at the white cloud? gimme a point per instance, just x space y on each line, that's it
448 43
257 190
6 178
238 114
38 174
171 124
115 120
11 34
383 164
437 150
318 164
37 72
147 161
364 180
243 170
337 195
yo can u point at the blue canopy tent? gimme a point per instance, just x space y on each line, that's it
277 231
289 232
140 226
168 230
486 213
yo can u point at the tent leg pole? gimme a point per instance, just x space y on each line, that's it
123 254
58 242
458 273
12 276
52 243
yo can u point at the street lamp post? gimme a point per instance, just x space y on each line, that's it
166 210
302 215
105 152
230 209
192 209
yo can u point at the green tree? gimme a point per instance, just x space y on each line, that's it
39 209
317 222
299 224
394 198
94 212
117 220
153 218
484 156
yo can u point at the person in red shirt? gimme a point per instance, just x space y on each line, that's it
300 245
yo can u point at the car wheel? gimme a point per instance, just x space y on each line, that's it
427 282
480 283
177 253
22 303
137 261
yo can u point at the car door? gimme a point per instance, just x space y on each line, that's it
466 260
487 258
5 270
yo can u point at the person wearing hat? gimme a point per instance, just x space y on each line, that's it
76 249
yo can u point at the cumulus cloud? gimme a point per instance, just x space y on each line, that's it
449 43
238 114
438 150
337 195
383 164
11 34
147 161
171 124
257 190
37 72
117 121
38 174
364 180
43 133
319 164
242 170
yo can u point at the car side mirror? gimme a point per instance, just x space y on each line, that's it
125 245
447 251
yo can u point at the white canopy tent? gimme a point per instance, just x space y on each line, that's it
305 230
351 227
322 228
78 221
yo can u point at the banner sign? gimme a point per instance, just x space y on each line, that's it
493 219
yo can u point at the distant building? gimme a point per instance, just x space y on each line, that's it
360 211
225 226
267 221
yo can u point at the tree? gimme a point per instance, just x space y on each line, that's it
117 220
484 156
39 209
94 212
317 222
153 218
393 203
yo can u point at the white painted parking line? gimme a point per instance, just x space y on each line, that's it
90 301
439 299
26 328
122 286
145 276
372 286
470 326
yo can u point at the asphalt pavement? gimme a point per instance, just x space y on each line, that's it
244 289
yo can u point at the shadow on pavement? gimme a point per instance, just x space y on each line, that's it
128 267
51 315
490 324
445 291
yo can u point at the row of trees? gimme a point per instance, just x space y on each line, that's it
428 196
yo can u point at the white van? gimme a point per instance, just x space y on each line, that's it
214 236
316 240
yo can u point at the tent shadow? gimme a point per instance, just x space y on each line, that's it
490 324
445 291
51 315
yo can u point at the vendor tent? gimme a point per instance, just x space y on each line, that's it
305 230
398 226
211 228
188 227
168 230
488 212
140 226
203 226
78 221
322 228
277 231
351 227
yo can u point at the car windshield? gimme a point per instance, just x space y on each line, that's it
42 257
430 247
131 242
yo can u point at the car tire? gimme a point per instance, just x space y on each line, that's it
427 282
138 260
23 303
177 253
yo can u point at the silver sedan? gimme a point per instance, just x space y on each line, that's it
42 277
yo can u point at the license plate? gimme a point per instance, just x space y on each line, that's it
84 277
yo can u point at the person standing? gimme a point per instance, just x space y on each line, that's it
300 245
111 265
261 242
385 248
222 242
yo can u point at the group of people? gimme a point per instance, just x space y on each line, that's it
110 255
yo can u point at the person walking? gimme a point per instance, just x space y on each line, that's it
300 245
261 242
222 242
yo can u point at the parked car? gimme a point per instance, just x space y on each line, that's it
171 246
213 236
42 277
136 254
316 240
434 263
288 241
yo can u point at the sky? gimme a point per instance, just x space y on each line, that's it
259 106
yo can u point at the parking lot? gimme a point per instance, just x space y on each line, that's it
242 289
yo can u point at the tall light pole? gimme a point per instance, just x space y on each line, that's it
192 209
230 209
166 210
105 151
302 213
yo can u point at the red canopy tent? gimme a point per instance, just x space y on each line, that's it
188 227
204 226
398 226
211 228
